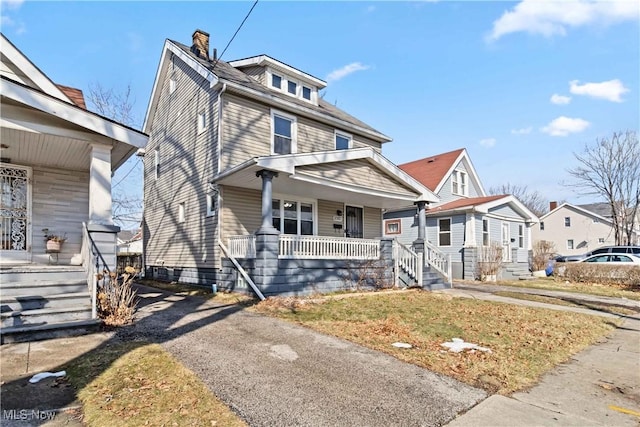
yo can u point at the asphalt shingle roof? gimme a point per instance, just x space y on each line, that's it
431 170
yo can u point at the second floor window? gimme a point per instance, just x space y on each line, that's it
459 183
292 87
283 135
276 81
343 141
567 221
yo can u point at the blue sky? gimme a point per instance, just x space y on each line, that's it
521 85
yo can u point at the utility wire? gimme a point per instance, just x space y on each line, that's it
236 33
127 174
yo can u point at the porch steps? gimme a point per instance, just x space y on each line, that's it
41 302
515 271
432 281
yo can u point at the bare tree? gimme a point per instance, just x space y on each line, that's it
118 106
611 169
111 104
532 199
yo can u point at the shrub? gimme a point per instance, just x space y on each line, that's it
628 276
489 260
542 252
116 298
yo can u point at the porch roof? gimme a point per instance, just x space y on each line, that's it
483 205
45 124
326 175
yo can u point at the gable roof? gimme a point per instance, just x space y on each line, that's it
262 60
433 171
484 204
221 73
36 79
603 209
578 209
75 95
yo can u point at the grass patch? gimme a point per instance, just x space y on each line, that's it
567 303
198 291
144 385
525 342
551 284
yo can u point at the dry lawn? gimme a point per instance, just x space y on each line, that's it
567 303
140 384
525 342
557 284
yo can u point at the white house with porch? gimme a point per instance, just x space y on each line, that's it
57 163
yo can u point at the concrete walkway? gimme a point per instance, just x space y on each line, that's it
599 386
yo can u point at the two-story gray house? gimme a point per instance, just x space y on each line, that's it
251 178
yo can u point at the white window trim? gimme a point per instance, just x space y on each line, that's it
456 178
202 122
294 130
565 221
210 205
521 236
298 200
156 163
572 244
488 232
450 232
172 85
284 86
181 212
348 136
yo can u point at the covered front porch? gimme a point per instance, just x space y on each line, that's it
320 222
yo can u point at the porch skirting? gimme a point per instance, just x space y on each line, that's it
299 277
189 275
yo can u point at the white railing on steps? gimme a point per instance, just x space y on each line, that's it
242 246
408 261
440 261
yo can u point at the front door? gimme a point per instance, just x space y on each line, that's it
354 222
15 214
506 242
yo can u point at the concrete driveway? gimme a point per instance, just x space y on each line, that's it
276 373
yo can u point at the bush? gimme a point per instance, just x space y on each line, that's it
116 298
542 252
489 261
628 276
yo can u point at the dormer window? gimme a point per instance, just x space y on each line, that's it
276 81
459 183
292 87
306 93
343 141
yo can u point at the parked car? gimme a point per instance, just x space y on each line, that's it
635 250
613 259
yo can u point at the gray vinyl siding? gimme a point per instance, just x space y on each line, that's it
408 225
60 202
241 211
358 173
247 132
505 211
326 211
188 161
372 223
445 193
457 235
256 72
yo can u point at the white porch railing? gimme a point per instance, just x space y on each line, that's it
438 260
322 247
408 261
242 246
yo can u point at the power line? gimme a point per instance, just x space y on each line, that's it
127 174
236 33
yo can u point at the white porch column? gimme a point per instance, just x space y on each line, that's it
100 185
267 195
470 231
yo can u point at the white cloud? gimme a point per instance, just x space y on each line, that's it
370 9
343 72
563 126
610 90
549 18
488 142
11 4
522 131
560 99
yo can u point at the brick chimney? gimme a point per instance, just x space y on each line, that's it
200 44
552 206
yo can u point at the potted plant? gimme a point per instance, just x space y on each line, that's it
54 241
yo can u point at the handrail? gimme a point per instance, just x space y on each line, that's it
440 261
242 246
241 270
89 249
408 260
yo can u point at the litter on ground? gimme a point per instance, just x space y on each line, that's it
42 375
457 345
401 345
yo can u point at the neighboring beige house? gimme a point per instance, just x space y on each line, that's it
574 230
56 168
252 178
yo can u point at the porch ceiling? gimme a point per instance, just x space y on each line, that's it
35 138
302 185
